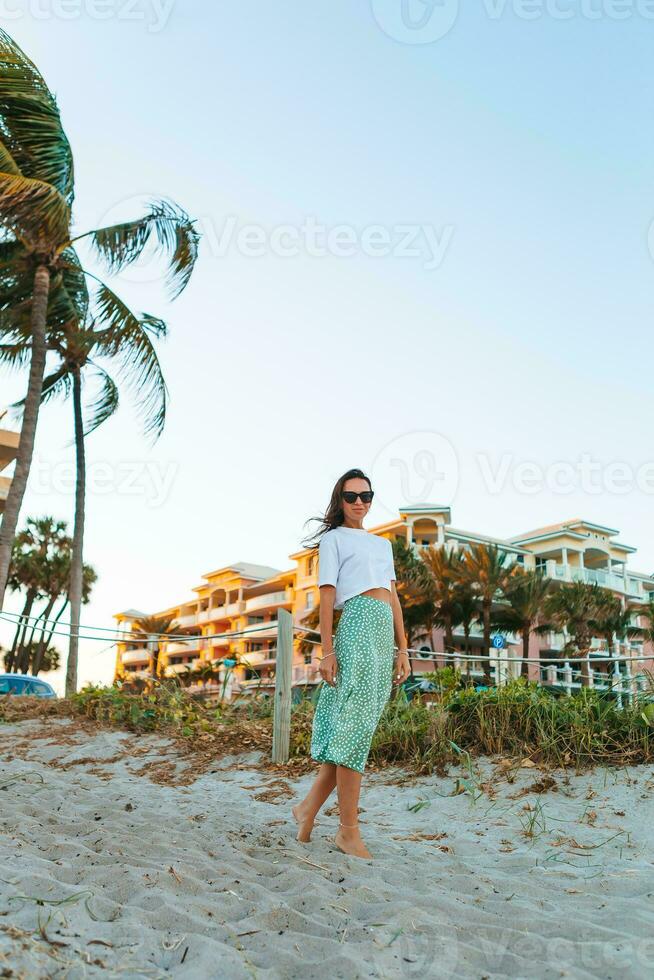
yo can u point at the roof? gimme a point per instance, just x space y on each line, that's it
562 526
247 569
473 536
420 507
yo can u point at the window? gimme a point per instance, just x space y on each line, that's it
309 600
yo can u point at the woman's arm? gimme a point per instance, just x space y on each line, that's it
401 668
328 662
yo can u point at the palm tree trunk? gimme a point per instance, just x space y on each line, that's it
466 646
76 564
28 427
486 611
526 634
20 650
11 656
449 642
56 621
42 645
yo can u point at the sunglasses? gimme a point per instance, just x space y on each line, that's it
350 496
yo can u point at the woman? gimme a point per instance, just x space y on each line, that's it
356 574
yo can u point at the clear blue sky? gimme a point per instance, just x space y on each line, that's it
525 146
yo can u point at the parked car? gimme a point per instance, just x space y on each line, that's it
25 684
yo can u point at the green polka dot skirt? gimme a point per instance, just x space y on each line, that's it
348 713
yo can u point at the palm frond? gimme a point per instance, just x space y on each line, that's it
30 123
175 234
15 356
34 210
105 403
55 384
7 163
127 340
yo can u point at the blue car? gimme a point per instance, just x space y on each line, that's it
25 684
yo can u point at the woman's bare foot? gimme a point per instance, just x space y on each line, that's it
348 840
304 823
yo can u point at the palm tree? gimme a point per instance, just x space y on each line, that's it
485 567
648 612
413 587
525 593
58 584
468 613
79 346
42 285
575 606
444 569
42 545
49 659
613 621
153 628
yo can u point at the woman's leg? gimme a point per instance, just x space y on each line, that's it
348 835
306 811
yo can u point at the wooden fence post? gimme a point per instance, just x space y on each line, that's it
283 681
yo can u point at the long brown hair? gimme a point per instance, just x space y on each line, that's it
334 515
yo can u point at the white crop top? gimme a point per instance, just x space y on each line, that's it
354 560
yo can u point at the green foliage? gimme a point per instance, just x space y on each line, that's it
521 720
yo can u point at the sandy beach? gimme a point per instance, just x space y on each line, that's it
115 861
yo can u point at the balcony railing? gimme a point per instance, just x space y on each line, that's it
136 656
190 619
263 601
191 646
592 576
220 612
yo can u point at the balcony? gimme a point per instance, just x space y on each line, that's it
262 631
220 612
592 576
265 601
190 619
5 483
190 647
181 668
142 655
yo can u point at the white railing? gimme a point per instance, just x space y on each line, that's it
188 620
262 630
263 601
592 576
189 646
220 612
135 656
181 668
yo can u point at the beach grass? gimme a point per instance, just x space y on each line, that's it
519 720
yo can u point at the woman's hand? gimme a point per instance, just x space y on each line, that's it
401 667
328 667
